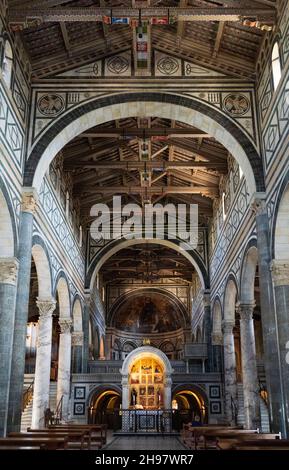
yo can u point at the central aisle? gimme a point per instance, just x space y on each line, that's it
145 443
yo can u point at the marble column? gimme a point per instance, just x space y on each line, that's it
208 330
43 362
229 371
64 365
269 324
280 274
85 323
249 367
8 280
77 345
125 403
217 345
29 202
167 392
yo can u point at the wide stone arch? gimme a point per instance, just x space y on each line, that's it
189 110
230 299
77 314
116 245
280 225
43 268
8 230
217 318
248 272
62 289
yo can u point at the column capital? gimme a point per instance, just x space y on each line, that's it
46 307
280 272
227 326
217 338
65 325
29 200
245 310
77 338
9 270
258 204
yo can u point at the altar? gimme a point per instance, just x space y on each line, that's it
146 391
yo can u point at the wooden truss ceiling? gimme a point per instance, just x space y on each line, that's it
224 45
147 263
183 165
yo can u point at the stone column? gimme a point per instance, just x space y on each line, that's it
29 201
85 323
217 345
249 367
167 392
77 345
269 324
229 371
64 365
126 421
280 274
208 330
8 280
43 362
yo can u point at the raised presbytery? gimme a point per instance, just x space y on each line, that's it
144 224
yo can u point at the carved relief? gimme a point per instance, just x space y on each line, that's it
236 104
51 105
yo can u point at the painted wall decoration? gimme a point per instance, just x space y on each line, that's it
153 313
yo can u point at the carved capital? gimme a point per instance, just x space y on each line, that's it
77 338
65 325
227 326
46 308
280 272
29 200
245 311
8 270
217 338
259 206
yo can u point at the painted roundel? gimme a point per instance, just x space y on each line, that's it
117 65
168 65
51 105
236 104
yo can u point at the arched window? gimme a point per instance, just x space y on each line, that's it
7 64
276 65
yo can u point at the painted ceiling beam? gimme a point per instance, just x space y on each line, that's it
149 165
88 14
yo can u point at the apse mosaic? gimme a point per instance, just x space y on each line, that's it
147 314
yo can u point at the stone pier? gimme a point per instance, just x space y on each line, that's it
29 201
8 280
43 360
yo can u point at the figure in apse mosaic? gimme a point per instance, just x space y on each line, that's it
147 314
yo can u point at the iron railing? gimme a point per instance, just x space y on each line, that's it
144 421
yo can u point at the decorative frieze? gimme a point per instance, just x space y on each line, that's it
8 270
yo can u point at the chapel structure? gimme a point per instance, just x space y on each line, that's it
109 109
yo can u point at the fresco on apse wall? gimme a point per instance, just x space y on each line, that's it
147 314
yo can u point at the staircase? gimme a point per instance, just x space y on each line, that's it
26 417
265 425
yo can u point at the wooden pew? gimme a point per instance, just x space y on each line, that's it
205 439
49 443
76 439
263 444
229 442
14 447
98 431
192 435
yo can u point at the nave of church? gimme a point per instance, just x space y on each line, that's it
144 224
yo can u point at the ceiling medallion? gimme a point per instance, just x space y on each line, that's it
51 105
236 104
117 65
168 65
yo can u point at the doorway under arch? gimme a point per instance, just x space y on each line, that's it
105 405
190 404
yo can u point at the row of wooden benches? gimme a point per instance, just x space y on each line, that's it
230 438
55 437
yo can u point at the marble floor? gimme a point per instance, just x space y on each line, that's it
145 443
